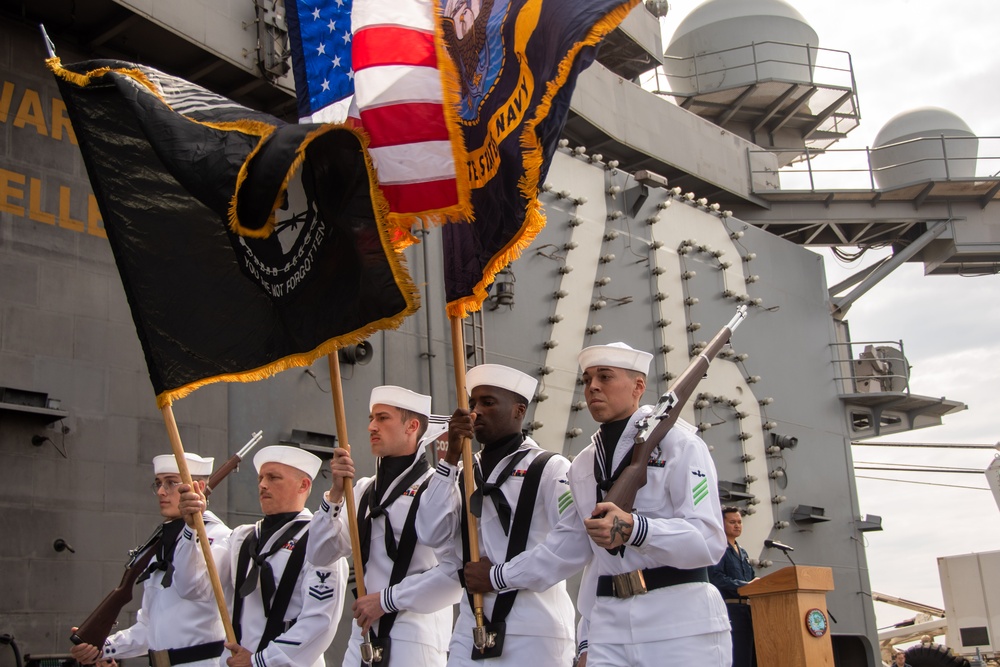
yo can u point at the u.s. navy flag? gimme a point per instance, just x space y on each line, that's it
177 172
509 70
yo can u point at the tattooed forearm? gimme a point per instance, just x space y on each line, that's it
621 529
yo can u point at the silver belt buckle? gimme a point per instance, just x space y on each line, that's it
628 584
159 658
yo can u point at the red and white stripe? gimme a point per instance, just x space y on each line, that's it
399 97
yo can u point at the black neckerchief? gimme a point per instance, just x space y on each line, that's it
492 457
164 558
260 569
371 508
495 452
606 443
389 468
272 523
252 566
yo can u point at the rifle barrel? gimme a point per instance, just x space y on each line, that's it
254 439
622 493
741 314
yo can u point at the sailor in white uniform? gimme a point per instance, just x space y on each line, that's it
409 600
285 610
521 492
672 536
168 628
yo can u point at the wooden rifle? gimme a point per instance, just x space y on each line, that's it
654 426
97 627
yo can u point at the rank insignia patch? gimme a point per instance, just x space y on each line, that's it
700 490
565 500
322 591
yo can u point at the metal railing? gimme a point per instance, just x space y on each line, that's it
863 168
696 75
811 84
880 366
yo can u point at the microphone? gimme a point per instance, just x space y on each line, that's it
784 548
778 545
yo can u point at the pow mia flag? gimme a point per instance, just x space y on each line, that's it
245 245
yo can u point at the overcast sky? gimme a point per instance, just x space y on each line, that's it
907 54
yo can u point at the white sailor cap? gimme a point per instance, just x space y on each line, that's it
401 398
504 377
166 464
617 355
297 458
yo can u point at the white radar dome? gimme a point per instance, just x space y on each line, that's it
728 43
924 144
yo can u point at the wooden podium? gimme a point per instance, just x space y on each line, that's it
790 621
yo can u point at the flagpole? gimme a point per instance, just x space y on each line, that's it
368 653
199 522
480 637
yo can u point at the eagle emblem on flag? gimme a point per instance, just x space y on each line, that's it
472 33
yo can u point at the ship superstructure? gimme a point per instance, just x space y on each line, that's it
676 196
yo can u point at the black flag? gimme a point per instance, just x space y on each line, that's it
245 245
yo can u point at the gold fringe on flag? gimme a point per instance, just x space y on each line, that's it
532 161
397 261
251 128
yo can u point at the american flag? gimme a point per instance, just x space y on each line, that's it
321 40
397 95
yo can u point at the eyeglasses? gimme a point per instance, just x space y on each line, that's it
169 486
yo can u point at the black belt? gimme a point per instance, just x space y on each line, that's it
640 581
182 656
745 601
